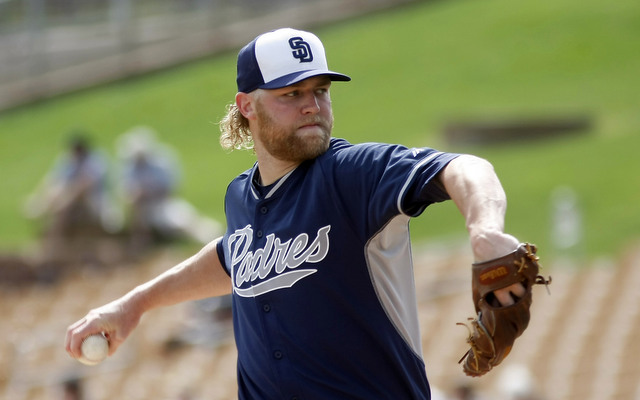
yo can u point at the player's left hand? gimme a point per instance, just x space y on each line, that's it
501 290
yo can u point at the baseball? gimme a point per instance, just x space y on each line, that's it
95 348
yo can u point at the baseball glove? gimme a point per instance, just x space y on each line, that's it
495 328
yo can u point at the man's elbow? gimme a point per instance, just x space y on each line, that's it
466 166
471 162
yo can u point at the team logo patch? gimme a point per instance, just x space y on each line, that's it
493 274
301 49
276 265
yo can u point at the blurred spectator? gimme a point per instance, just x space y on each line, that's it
150 179
74 192
566 227
72 200
515 382
210 323
72 390
464 390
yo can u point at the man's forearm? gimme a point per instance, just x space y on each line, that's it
197 277
474 187
476 190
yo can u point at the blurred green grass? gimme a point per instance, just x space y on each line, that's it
414 69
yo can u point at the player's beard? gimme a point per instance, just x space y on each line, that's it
286 144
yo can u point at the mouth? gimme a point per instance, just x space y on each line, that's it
309 126
312 124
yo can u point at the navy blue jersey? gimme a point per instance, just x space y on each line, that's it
323 289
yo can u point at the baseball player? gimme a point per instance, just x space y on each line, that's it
317 252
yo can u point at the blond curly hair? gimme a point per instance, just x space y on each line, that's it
234 130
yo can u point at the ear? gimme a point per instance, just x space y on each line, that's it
246 105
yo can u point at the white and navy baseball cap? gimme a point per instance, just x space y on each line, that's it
281 58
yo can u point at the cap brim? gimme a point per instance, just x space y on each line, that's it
296 77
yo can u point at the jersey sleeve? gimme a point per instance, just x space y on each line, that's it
386 180
409 179
422 188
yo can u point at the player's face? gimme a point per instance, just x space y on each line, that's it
294 123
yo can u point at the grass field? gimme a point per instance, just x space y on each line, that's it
414 69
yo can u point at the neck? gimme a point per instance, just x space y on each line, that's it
272 169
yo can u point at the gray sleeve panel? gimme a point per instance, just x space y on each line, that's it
390 264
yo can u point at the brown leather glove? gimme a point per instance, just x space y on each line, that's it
495 329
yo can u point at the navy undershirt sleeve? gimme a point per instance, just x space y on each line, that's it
220 251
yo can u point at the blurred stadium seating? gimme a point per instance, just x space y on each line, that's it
581 343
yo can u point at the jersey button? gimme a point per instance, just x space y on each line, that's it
277 355
264 210
259 234
266 308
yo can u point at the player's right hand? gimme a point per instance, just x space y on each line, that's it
116 320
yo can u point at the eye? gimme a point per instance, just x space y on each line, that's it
323 91
292 93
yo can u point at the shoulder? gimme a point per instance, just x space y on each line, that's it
241 184
372 154
343 146
244 177
360 165
343 151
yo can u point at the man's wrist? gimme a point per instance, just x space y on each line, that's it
488 244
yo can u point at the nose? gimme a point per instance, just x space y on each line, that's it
311 104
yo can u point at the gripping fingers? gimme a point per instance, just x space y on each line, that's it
76 333
72 340
509 295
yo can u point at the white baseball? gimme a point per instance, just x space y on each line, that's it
95 348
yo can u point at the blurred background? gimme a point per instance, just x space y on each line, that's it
99 99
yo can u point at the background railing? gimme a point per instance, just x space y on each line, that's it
49 47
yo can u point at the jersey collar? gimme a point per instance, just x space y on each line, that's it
258 191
